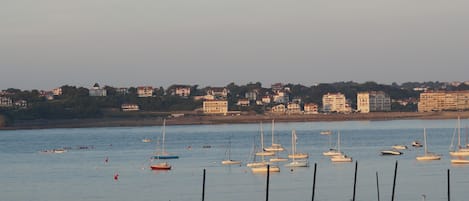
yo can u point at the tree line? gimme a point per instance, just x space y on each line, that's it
75 102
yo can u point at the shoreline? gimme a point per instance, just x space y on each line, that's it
238 119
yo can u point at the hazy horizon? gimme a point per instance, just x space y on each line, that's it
50 43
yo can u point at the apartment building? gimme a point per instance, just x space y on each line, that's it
335 102
145 91
215 107
443 101
311 108
373 101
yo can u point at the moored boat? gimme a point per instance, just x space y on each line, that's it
161 166
263 169
399 147
391 152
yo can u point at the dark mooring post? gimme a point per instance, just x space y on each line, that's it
203 187
267 186
394 183
449 192
314 180
377 184
355 180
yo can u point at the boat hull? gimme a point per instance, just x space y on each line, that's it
428 158
263 169
230 162
265 153
390 152
298 155
297 164
460 161
161 166
166 157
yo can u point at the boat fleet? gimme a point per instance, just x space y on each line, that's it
271 157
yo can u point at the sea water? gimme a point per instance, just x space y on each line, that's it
83 174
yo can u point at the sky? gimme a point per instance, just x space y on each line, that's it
50 43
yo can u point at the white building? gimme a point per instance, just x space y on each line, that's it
335 102
373 101
5 102
96 90
184 91
129 107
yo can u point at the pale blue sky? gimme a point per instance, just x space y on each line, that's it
49 43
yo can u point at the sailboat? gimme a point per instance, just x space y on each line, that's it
341 157
428 155
261 167
459 151
163 154
275 146
295 154
161 166
263 152
331 151
229 161
295 162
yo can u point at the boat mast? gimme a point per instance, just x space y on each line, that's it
425 140
459 133
338 141
272 132
164 129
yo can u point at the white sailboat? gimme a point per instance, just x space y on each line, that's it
428 155
295 154
341 157
263 152
261 167
460 150
295 162
331 151
274 147
228 160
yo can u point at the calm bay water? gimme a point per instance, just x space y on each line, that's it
82 175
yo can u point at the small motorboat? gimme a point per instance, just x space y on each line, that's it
399 147
417 144
146 140
391 152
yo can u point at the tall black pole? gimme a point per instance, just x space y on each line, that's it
203 187
377 184
394 183
449 194
355 180
267 186
314 180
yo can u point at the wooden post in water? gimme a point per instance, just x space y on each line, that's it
377 184
355 180
314 180
394 183
267 186
203 187
449 192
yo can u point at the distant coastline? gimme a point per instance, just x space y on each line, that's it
204 120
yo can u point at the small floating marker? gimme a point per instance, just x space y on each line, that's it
116 176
